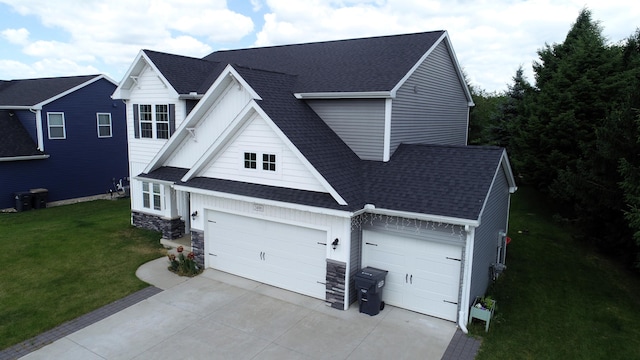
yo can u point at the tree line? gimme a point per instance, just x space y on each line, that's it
575 133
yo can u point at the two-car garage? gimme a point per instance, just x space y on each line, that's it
424 273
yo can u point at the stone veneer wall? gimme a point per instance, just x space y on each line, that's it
335 287
197 246
170 228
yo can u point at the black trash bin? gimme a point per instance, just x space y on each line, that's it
369 284
39 198
23 201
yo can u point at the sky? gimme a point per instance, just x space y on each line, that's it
45 38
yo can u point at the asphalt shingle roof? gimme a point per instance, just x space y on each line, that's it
14 138
186 74
28 92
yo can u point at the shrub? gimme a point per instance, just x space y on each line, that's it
184 265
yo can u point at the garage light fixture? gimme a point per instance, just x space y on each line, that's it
335 243
194 214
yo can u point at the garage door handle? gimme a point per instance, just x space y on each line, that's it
406 278
368 243
450 258
411 279
450 302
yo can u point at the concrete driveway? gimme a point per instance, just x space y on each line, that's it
219 316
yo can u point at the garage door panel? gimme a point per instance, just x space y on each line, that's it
278 254
423 276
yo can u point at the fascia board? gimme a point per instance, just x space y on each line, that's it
126 83
65 93
511 179
503 164
308 208
19 107
370 208
163 182
202 107
22 158
344 95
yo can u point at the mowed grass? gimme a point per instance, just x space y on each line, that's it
59 263
559 299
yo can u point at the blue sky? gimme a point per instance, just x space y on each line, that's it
42 38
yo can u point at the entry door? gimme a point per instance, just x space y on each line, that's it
283 255
424 276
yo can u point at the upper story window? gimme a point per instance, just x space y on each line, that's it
151 197
269 162
104 125
250 161
55 123
153 121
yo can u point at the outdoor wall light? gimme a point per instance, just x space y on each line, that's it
194 214
335 243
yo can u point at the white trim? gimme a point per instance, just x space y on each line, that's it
64 126
503 164
369 208
386 152
21 158
98 125
467 271
65 93
346 95
251 199
39 130
146 179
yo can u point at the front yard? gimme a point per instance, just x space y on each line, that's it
59 263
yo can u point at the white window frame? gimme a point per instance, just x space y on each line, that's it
152 196
268 163
250 160
99 126
260 161
63 126
153 120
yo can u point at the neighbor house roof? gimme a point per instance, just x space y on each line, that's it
15 141
30 92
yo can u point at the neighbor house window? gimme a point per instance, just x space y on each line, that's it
104 125
146 122
151 196
269 162
162 121
250 160
55 123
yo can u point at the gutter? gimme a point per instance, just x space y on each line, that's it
21 158
370 208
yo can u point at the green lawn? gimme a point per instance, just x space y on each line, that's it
557 298
60 263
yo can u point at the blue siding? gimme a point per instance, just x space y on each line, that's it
80 165
493 221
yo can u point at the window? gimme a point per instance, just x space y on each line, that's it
269 162
162 121
55 123
146 122
151 193
250 161
104 125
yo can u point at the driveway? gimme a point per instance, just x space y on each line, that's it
219 316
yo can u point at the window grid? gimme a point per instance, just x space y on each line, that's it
269 162
162 121
146 121
55 122
250 160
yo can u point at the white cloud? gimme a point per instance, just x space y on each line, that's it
11 69
16 36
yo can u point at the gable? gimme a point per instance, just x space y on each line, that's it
257 137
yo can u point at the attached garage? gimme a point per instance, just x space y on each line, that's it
287 256
424 275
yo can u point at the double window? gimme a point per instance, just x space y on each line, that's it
104 125
153 121
56 126
268 161
151 196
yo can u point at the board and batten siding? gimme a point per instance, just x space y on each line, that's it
149 90
210 126
257 137
358 122
493 221
431 106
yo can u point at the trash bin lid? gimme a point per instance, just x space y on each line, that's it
38 190
373 273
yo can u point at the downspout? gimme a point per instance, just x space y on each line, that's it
463 314
39 133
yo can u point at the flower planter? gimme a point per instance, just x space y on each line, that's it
482 311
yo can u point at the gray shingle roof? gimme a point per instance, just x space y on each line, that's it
186 74
14 138
28 92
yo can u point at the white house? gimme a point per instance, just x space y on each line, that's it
298 165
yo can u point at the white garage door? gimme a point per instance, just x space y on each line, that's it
287 256
423 276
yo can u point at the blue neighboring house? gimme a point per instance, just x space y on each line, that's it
64 134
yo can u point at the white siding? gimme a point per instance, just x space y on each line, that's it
258 137
209 128
149 90
358 122
431 106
